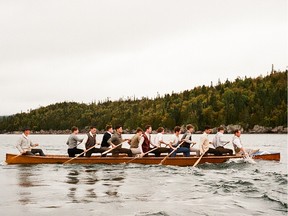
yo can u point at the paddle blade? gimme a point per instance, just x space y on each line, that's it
249 160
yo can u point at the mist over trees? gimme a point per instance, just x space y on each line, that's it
245 101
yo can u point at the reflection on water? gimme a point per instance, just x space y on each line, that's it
90 184
24 181
73 177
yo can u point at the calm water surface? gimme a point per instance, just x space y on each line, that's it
232 188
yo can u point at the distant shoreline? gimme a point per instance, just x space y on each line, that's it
229 130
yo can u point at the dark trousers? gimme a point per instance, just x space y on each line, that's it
74 151
34 152
223 150
116 152
213 151
95 150
185 151
160 150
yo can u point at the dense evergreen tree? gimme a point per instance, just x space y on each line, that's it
246 101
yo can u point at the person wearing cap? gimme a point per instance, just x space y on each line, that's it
25 145
204 143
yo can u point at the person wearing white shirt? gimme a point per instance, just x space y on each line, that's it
176 141
238 147
158 142
219 142
204 143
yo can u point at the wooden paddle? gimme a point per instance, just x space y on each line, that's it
195 164
142 155
15 157
24 152
248 157
171 153
81 154
226 143
112 148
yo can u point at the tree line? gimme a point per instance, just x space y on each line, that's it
245 101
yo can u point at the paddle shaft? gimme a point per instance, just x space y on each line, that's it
21 153
195 164
225 143
143 154
80 154
112 148
171 153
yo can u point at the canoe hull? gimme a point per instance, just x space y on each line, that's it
58 159
175 161
270 156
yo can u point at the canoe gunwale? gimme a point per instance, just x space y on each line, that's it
58 159
178 161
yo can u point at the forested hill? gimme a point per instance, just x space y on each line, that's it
246 101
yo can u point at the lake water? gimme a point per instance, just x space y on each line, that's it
232 188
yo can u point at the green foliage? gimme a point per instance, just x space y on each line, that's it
247 101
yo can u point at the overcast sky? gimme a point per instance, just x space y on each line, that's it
83 51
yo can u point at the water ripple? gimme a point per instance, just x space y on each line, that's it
270 198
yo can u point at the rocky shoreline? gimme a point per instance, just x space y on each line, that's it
257 129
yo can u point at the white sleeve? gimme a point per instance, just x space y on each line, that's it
174 141
214 141
84 140
187 139
140 144
237 143
18 146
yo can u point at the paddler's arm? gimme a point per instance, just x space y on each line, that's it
187 139
153 144
19 147
33 145
110 142
140 145
172 143
162 142
223 142
82 140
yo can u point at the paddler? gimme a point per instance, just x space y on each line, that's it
238 147
115 140
24 144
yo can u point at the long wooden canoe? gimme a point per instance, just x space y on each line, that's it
264 155
177 161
